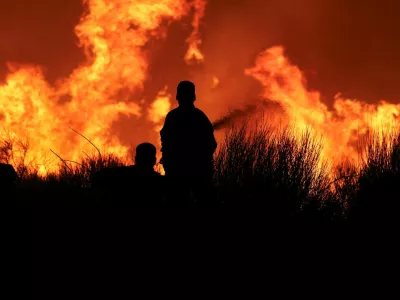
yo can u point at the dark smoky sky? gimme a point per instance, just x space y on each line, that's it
342 46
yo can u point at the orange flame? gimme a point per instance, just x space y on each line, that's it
112 34
160 108
157 113
194 40
215 82
341 127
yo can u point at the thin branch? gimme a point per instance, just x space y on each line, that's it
87 140
72 161
340 178
64 161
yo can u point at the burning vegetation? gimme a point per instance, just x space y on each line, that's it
113 36
45 123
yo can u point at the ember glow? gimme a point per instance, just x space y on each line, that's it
109 84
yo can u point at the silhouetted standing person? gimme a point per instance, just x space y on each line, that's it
188 145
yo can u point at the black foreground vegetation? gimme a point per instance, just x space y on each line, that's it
255 168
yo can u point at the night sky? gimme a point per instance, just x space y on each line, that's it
342 46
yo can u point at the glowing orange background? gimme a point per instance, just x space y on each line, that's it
339 46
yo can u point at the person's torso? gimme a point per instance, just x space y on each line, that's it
189 133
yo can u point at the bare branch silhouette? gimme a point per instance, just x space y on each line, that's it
86 139
63 160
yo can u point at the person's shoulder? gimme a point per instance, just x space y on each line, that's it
173 112
201 114
199 111
172 115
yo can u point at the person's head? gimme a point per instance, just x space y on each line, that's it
8 176
145 155
186 93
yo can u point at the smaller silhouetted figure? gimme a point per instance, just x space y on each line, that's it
8 176
137 185
188 145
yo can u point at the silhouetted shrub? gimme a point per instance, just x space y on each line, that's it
81 174
257 166
377 196
272 171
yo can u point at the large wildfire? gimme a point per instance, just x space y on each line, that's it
108 86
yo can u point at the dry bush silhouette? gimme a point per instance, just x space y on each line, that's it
81 173
275 169
256 166
14 151
377 192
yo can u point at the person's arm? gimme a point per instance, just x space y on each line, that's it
213 142
210 138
